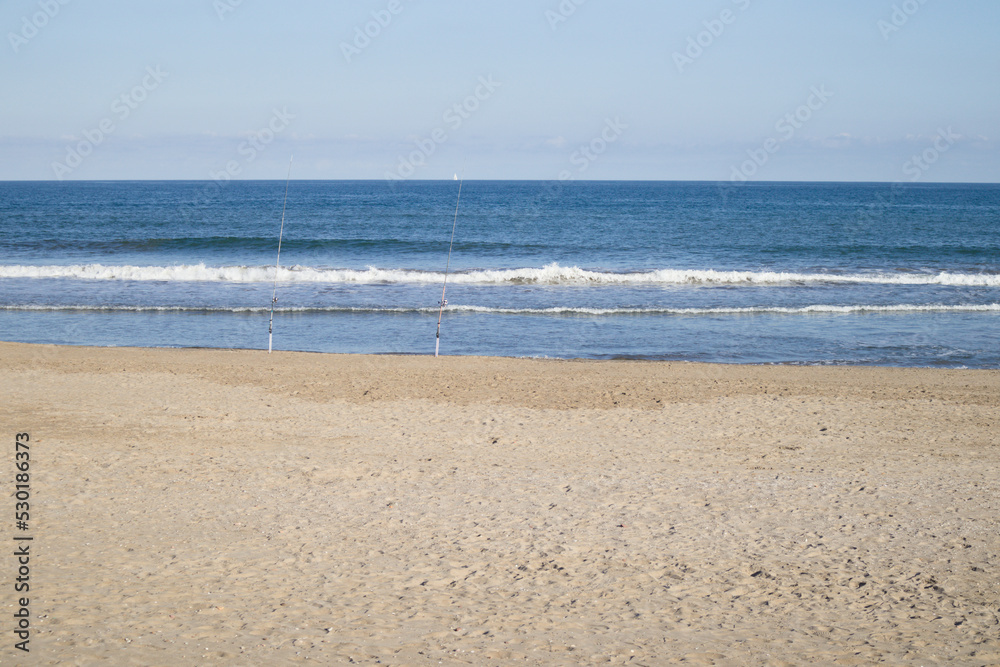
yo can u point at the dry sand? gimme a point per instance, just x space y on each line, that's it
230 507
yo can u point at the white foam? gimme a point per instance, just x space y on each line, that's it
750 310
551 274
559 310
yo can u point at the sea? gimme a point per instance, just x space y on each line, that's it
760 273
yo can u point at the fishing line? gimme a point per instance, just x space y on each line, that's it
277 261
444 302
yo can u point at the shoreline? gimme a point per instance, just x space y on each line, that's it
234 507
615 359
410 376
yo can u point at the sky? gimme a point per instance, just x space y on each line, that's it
773 90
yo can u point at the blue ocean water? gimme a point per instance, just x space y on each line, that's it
883 274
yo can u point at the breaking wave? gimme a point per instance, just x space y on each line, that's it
552 274
555 311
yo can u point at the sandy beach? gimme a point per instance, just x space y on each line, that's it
230 507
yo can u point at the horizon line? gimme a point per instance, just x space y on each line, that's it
491 180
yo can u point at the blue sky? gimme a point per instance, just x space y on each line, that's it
872 90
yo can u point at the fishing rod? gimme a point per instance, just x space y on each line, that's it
443 303
277 261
